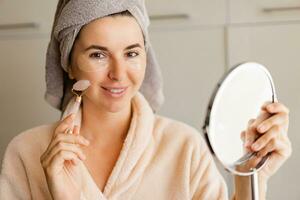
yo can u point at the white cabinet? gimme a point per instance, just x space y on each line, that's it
192 62
188 38
24 35
267 31
245 11
26 16
186 13
277 47
22 86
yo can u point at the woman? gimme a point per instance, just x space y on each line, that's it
120 149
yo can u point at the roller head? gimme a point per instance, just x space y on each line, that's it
81 85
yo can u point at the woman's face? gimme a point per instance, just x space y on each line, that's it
110 53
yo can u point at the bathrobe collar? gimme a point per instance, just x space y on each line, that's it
133 159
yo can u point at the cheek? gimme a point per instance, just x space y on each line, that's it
94 90
91 75
138 74
138 68
136 64
85 64
86 76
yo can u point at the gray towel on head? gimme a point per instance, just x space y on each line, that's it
70 17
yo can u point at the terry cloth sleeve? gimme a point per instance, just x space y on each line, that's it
13 179
206 181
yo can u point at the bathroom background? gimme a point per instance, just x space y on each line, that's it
196 42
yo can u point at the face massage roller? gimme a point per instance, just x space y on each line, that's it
79 88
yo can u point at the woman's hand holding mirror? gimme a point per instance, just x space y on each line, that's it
271 128
272 141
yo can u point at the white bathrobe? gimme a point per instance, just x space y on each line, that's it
161 159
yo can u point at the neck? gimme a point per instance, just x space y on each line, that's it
100 126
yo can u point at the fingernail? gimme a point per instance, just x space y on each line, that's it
270 107
255 146
261 128
247 144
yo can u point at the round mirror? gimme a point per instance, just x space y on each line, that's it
237 98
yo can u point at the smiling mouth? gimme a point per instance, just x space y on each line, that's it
115 91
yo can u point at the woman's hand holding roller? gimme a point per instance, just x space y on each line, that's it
61 161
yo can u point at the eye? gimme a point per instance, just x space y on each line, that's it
97 55
132 54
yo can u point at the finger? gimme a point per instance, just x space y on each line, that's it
277 119
253 134
252 162
64 124
250 133
76 130
55 135
58 160
243 136
74 162
277 108
48 161
262 141
272 146
251 121
64 147
243 133
53 153
68 138
263 115
263 107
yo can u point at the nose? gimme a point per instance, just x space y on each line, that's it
117 70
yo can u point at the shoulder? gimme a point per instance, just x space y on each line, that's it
176 132
32 140
171 127
21 161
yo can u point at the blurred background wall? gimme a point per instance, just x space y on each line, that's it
196 42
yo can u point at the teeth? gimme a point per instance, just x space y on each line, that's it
116 90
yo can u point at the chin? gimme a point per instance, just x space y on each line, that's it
115 109
117 106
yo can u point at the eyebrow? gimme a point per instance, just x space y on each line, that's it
106 49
